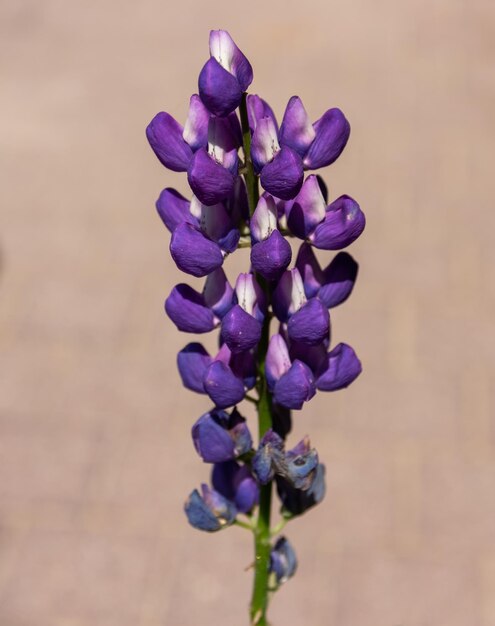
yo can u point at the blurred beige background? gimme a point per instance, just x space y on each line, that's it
95 454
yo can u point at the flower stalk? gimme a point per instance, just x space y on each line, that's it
286 367
259 600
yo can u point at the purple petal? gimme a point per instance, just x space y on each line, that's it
307 209
283 176
310 270
296 130
264 219
247 491
339 280
295 387
344 222
192 362
237 204
218 435
277 361
188 311
236 483
230 241
283 561
211 437
209 180
224 510
217 224
239 432
196 126
288 296
243 364
219 90
173 209
332 132
264 143
223 387
225 51
223 141
240 330
215 221
341 369
250 296
165 137
314 356
310 324
193 252
217 293
199 514
272 256
257 109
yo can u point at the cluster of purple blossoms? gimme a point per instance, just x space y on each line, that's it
225 212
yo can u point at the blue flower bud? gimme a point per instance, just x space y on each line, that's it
209 511
283 561
269 456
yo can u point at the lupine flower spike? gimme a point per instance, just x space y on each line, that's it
229 145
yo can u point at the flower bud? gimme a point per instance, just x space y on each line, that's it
283 561
209 511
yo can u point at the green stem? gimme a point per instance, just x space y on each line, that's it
259 599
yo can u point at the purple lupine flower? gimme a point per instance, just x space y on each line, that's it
308 321
271 252
209 511
206 148
194 312
225 76
236 483
334 284
291 382
340 369
283 561
318 144
200 249
188 310
218 436
279 166
297 501
293 375
331 227
173 144
225 377
213 169
241 326
298 359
